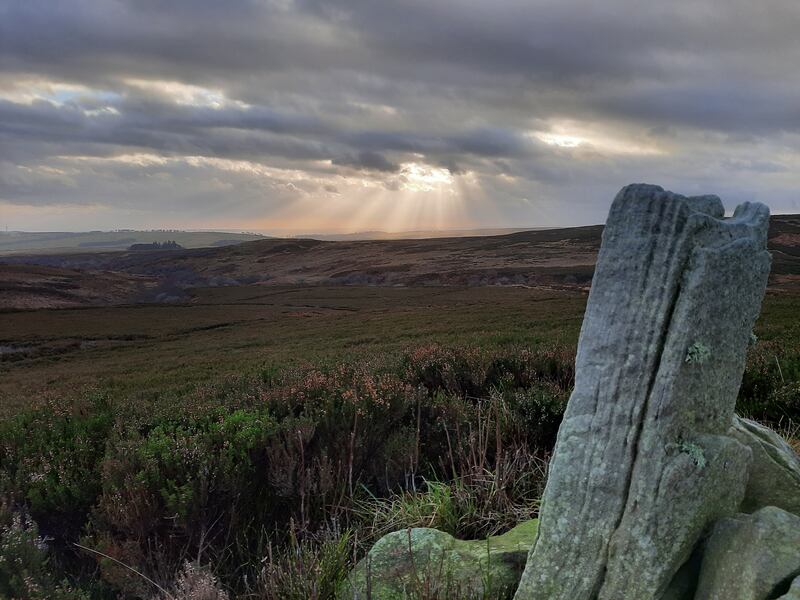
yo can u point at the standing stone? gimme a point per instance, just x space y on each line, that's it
644 462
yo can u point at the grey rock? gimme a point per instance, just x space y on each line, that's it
751 557
794 591
684 583
423 562
775 473
644 465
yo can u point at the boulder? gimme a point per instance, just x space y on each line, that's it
751 557
411 561
645 463
775 473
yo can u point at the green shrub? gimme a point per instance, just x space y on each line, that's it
24 570
537 411
770 390
216 475
180 486
50 462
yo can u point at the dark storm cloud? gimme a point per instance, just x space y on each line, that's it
68 131
699 51
367 160
238 133
334 86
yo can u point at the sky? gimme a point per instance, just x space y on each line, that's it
355 115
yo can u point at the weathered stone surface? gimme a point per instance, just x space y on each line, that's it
794 591
644 463
751 557
404 562
684 583
775 473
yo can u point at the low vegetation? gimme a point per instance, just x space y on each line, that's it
135 352
271 485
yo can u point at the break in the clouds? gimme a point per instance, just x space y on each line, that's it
310 115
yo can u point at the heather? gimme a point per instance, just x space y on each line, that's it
271 485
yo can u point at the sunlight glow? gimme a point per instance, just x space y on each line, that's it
592 137
140 159
181 93
565 141
418 196
419 177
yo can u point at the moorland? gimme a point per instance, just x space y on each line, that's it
245 421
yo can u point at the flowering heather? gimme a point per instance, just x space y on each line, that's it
275 483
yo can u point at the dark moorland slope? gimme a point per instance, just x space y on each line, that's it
553 258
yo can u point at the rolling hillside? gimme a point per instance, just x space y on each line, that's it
21 242
553 258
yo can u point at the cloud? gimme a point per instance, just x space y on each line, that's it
368 160
541 109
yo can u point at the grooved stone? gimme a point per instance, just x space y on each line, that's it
644 463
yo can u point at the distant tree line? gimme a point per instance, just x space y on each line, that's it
168 245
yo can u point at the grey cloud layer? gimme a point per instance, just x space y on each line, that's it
371 85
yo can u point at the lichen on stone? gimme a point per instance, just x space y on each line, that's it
698 353
694 452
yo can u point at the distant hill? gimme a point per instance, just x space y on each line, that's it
21 242
28 286
416 234
527 258
551 258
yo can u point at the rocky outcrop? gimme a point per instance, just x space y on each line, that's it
424 562
751 557
644 462
656 490
774 478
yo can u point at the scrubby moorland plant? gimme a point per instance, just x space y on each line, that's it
271 486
